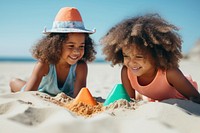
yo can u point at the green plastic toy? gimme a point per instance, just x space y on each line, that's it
118 92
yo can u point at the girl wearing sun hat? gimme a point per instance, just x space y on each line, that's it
62 56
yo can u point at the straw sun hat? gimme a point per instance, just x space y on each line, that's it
68 20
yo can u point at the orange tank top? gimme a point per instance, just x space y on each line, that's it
159 89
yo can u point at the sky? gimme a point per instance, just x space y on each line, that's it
22 21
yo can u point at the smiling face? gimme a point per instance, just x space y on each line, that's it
73 48
141 64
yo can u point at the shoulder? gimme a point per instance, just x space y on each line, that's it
42 68
81 66
174 74
124 72
81 70
124 69
42 65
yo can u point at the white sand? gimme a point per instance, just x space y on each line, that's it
28 112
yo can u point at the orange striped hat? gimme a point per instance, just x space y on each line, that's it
68 20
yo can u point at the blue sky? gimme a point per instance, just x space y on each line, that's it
22 21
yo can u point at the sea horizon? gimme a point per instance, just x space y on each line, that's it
30 59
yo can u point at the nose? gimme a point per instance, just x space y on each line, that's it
76 51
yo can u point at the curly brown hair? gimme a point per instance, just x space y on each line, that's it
49 48
151 34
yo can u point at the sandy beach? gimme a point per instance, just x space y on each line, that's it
38 112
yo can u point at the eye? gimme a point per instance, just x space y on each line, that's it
139 56
82 46
125 56
70 46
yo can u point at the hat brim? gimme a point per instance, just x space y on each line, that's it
68 30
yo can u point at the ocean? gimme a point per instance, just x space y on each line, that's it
29 59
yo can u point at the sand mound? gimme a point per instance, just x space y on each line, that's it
82 109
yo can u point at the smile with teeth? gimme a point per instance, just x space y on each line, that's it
136 68
73 58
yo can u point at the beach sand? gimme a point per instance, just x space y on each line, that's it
38 112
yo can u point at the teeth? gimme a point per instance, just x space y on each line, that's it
73 57
135 68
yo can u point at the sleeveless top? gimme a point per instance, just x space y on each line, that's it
49 83
159 89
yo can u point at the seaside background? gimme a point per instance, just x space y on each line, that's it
21 25
22 22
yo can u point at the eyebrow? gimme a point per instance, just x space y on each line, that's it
139 54
74 43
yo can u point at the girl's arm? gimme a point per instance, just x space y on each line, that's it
40 70
176 78
81 77
126 82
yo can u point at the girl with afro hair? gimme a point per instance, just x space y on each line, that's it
149 48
